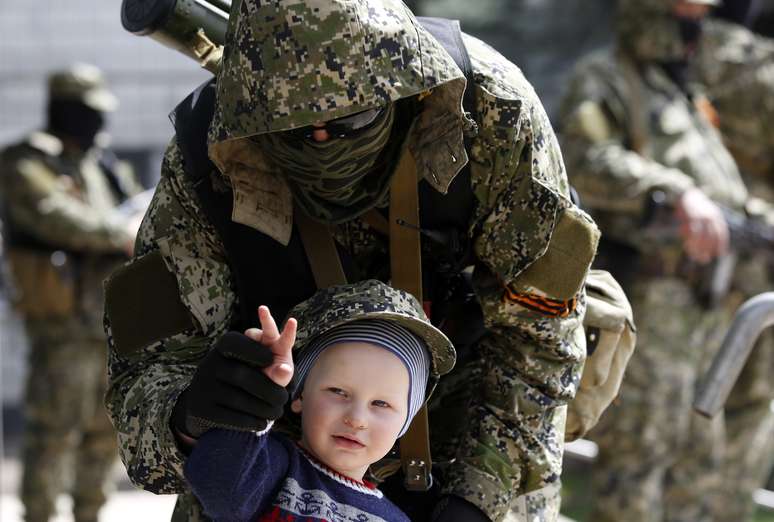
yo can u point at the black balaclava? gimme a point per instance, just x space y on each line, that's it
691 30
75 120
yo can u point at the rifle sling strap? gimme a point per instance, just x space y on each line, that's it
321 251
406 270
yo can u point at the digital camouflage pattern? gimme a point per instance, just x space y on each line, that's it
646 29
371 299
514 434
629 130
61 201
737 68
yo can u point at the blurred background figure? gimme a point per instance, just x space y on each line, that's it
736 67
63 232
38 37
642 149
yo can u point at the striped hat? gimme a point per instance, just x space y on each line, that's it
407 346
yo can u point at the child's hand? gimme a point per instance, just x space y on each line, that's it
281 345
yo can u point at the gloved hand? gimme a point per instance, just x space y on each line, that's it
455 509
231 389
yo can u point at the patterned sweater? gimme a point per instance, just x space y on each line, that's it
266 478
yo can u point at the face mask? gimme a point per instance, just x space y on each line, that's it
338 179
76 121
690 32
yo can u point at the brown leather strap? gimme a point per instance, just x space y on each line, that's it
320 251
377 221
406 268
638 128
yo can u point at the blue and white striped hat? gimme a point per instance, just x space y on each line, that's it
407 346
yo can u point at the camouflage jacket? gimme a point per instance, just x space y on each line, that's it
521 230
736 66
627 131
54 201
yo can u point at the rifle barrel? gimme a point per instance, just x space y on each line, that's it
754 316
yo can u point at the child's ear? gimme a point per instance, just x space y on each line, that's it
295 406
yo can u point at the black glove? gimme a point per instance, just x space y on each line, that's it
455 509
230 390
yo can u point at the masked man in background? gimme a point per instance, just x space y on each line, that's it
641 145
59 192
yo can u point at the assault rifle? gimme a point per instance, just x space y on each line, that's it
196 28
747 237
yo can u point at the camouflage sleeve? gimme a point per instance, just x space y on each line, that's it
533 357
736 66
42 205
144 385
599 149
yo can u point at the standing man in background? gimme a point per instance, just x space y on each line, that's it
59 192
639 142
736 67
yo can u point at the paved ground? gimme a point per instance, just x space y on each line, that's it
126 504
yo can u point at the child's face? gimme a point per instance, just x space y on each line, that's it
353 406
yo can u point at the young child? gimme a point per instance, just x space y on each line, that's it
365 353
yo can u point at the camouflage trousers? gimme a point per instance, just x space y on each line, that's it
749 456
68 436
658 460
749 419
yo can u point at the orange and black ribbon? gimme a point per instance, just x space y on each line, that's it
540 304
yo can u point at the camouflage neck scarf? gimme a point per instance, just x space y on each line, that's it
339 179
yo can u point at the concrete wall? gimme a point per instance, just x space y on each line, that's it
39 35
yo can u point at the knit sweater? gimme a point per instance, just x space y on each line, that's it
244 476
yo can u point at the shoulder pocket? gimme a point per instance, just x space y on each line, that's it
142 302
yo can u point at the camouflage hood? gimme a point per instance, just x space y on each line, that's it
338 305
288 64
649 31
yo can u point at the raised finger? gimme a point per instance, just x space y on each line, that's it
269 326
284 345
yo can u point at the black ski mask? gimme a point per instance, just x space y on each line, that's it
74 119
690 31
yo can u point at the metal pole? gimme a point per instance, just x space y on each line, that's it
754 316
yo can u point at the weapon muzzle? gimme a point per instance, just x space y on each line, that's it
754 316
196 28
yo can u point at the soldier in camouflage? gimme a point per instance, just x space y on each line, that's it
638 140
292 77
63 235
736 66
